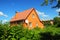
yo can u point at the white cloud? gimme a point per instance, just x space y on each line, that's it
5 15
4 21
41 13
2 14
58 10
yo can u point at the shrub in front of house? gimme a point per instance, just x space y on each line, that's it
20 33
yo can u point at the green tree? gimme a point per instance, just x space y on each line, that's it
46 2
57 21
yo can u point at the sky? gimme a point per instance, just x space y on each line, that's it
9 7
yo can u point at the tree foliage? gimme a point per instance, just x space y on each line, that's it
57 21
20 33
46 2
47 23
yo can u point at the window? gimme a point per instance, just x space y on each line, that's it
33 16
36 24
30 24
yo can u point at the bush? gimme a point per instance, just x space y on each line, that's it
20 33
57 21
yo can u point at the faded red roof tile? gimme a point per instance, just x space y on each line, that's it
21 15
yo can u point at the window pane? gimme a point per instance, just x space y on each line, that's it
32 15
36 24
30 24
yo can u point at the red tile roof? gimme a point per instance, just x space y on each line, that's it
21 15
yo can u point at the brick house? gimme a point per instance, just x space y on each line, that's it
28 18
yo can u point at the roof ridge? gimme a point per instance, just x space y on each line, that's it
26 10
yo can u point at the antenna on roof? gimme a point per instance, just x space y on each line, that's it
16 11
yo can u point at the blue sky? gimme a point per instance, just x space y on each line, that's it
9 7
